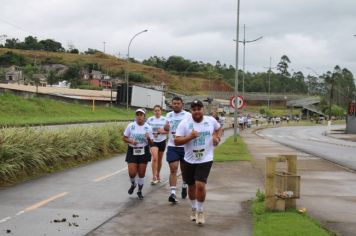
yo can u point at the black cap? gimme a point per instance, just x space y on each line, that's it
196 103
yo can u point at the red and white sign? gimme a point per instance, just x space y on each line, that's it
240 101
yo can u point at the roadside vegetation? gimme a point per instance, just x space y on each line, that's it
230 151
29 152
19 111
289 223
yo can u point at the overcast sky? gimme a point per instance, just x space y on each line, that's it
312 33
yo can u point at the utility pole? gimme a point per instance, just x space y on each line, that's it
104 46
236 103
244 57
269 81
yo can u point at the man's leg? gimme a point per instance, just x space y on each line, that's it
173 166
184 185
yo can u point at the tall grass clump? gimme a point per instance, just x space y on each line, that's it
29 151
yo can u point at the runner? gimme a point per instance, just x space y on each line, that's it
157 123
175 154
199 134
222 121
138 136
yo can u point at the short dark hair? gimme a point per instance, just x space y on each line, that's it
177 98
158 107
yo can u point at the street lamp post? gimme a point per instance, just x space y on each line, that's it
244 57
236 71
128 67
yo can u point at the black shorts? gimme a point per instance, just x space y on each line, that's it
131 158
196 172
161 145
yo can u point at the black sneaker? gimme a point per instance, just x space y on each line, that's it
131 189
139 195
173 198
184 192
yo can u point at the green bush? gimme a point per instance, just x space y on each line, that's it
26 151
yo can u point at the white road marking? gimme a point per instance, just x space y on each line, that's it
4 220
20 213
109 175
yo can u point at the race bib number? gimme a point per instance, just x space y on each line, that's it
198 154
139 151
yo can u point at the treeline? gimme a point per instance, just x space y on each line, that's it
50 45
336 86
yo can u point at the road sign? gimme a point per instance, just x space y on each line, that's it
241 102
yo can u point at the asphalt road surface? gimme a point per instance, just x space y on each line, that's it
92 193
311 139
85 197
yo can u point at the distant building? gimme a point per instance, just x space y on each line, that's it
14 75
41 78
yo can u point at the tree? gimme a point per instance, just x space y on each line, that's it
74 51
51 45
91 51
283 66
52 77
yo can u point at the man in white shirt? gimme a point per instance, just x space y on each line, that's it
199 134
175 153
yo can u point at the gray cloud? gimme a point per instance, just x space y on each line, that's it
314 33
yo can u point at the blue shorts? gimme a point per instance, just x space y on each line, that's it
175 154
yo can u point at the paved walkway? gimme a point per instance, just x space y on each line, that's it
327 190
230 187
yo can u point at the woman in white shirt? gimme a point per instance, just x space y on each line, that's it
157 123
138 135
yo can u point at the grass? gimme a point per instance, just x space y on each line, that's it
275 110
289 223
230 151
19 111
115 66
28 152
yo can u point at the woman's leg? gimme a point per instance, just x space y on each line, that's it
154 152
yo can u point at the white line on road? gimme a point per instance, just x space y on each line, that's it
20 213
4 220
109 175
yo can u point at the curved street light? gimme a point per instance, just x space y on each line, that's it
127 67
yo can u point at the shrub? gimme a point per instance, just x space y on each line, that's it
25 151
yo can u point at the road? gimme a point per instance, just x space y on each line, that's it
94 192
311 139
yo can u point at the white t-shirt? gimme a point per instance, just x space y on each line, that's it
200 149
174 119
157 123
138 133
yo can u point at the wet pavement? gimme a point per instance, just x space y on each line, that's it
230 187
328 191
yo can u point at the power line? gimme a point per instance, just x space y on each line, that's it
16 26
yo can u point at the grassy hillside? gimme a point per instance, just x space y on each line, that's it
114 65
17 111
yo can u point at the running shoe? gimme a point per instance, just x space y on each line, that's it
154 181
193 216
200 218
173 198
131 189
139 195
184 193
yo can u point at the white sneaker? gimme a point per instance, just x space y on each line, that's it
200 218
193 216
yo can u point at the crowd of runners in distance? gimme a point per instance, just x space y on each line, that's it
188 138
